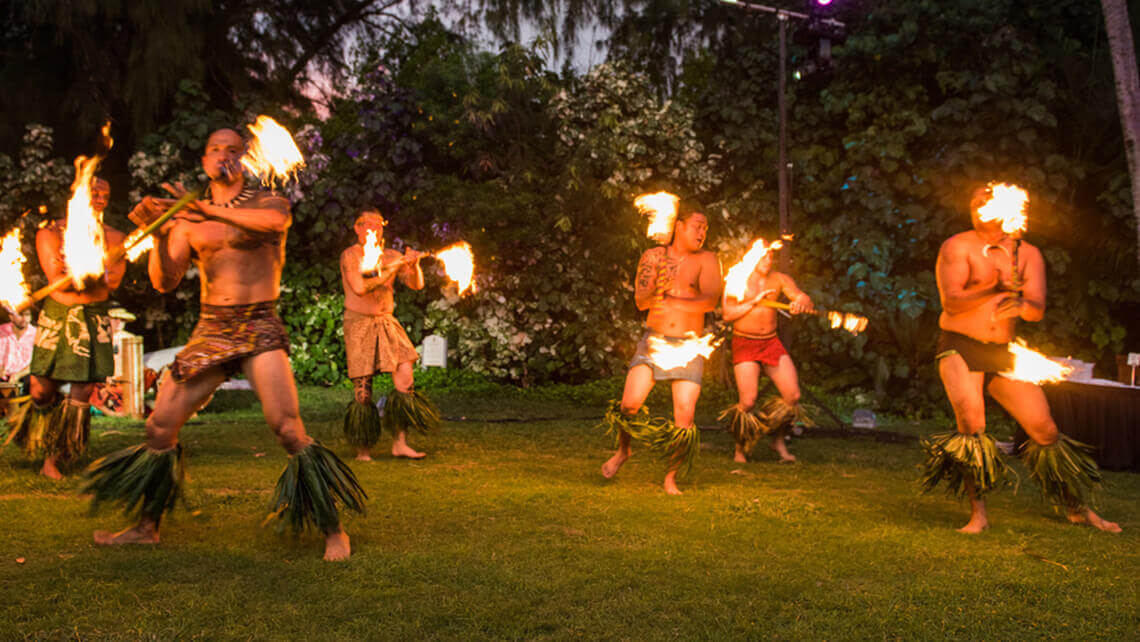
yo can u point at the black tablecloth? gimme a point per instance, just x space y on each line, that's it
1105 417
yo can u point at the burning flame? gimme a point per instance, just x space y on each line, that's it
83 246
1006 205
13 289
1032 366
852 323
373 250
459 264
661 208
668 355
272 154
135 247
736 281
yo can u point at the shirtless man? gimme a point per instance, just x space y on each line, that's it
236 237
677 283
375 342
754 343
72 345
982 302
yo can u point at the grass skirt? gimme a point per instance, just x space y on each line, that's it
776 415
677 445
361 424
745 427
956 458
409 411
29 426
1066 471
146 482
69 432
314 481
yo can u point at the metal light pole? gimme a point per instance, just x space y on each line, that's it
783 184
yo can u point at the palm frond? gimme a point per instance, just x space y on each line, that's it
361 424
310 488
410 411
957 458
1066 471
144 481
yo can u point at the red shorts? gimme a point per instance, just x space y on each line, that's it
767 351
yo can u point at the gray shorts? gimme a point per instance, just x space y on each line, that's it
693 371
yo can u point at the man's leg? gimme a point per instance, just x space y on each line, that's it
44 393
964 390
638 384
362 395
271 376
783 374
175 404
404 380
685 395
1027 404
747 376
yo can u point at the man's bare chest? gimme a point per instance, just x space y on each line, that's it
209 237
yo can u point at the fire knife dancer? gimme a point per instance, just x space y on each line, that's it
984 293
237 239
755 344
72 345
375 342
677 283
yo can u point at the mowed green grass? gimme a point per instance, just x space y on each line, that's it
508 531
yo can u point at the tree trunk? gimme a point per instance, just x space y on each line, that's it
1127 93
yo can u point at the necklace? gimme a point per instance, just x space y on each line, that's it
244 195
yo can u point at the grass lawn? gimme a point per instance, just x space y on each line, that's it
507 530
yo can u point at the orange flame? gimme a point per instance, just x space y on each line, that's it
736 281
141 248
1007 204
83 244
1032 366
661 208
13 288
272 154
668 355
852 323
459 264
373 250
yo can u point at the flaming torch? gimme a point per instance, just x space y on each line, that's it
373 250
459 265
736 281
1007 205
136 245
669 355
661 208
272 154
13 288
1032 366
84 249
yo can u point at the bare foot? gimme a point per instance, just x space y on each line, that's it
141 534
50 471
337 548
780 448
406 451
974 526
671 483
363 454
740 457
613 464
1086 516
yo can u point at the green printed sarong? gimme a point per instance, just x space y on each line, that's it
73 342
